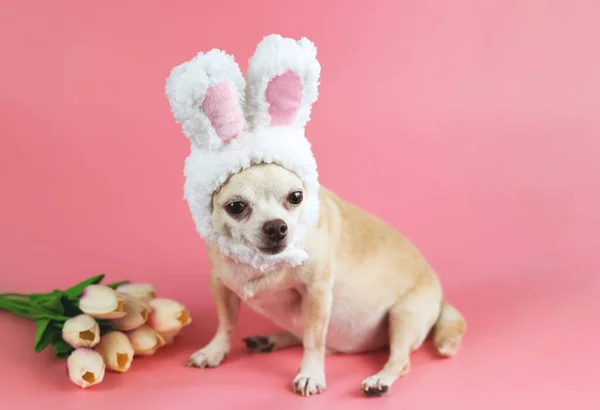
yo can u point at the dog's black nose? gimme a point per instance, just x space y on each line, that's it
275 230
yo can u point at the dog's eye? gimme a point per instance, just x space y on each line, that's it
295 197
235 208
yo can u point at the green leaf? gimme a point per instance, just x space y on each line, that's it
61 349
117 284
45 334
55 294
53 304
74 292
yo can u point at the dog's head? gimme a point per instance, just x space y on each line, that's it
256 214
260 207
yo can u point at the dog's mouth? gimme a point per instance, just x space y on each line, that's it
273 250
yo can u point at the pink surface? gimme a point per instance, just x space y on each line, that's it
472 126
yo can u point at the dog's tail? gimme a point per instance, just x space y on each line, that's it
448 330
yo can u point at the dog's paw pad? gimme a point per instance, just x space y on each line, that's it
259 344
308 386
375 386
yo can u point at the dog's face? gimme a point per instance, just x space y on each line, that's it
259 207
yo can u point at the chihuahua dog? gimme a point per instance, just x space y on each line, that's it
363 288
334 278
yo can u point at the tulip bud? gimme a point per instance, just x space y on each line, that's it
102 302
141 291
116 350
136 314
169 337
81 331
168 316
85 367
145 340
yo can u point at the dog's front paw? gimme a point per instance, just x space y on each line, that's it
309 383
376 385
209 356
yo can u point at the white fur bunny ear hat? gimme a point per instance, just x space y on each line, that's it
235 122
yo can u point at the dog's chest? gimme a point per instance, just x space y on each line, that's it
278 296
250 284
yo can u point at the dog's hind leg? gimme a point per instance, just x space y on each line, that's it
410 321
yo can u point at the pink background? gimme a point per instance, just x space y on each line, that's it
471 126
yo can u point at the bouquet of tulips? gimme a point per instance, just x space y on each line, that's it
97 326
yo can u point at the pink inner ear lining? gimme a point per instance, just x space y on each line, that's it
284 94
220 106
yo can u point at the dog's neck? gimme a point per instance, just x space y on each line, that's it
248 280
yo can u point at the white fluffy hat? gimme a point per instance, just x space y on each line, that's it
235 122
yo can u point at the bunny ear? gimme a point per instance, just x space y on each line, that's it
283 78
206 95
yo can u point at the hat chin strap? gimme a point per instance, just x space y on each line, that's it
292 256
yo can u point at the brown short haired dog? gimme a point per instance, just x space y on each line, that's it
364 286
333 277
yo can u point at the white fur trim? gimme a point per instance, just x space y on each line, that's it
274 56
207 170
187 86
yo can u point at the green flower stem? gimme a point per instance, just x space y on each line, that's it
32 296
21 295
29 308
10 306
